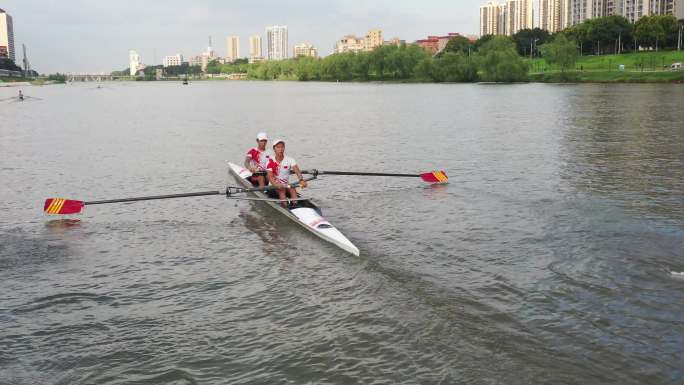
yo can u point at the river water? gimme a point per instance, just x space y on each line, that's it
549 258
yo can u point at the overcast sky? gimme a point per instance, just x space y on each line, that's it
96 35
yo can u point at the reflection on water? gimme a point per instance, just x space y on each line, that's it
622 145
550 257
62 224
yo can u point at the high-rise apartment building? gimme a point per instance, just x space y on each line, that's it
6 36
255 54
373 39
276 39
551 15
675 8
506 19
581 10
491 19
134 62
172 60
305 49
556 15
633 10
232 48
519 15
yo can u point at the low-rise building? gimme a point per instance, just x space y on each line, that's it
350 43
394 41
435 44
195 60
373 39
172 60
305 49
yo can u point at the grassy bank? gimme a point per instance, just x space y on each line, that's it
642 61
609 77
8 79
642 67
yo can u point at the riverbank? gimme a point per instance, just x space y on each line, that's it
609 77
23 82
640 67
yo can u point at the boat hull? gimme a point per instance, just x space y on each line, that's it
309 216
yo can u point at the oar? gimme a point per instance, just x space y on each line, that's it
430 177
71 206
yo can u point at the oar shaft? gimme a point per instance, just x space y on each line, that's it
149 198
360 173
230 190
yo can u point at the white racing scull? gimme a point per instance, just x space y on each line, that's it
306 213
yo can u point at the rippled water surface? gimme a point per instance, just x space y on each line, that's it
549 258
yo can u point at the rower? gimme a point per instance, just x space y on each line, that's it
21 96
257 160
279 169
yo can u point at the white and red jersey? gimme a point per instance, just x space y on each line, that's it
258 158
281 170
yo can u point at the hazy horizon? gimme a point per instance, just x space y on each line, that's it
78 36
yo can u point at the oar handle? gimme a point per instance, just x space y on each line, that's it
316 172
153 197
239 190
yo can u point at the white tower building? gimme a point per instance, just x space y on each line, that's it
276 37
232 48
133 62
6 36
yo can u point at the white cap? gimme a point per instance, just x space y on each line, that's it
262 136
278 141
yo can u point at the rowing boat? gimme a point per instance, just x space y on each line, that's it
306 213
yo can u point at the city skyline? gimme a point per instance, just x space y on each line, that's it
104 34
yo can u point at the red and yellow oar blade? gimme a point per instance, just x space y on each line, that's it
435 177
62 206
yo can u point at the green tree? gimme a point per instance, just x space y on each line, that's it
361 66
482 41
57 77
578 33
425 70
499 61
378 60
455 67
671 28
458 44
561 51
603 33
527 40
214 67
648 31
8 64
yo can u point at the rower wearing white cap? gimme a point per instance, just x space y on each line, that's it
279 169
257 160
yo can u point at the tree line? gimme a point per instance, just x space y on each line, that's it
607 35
491 59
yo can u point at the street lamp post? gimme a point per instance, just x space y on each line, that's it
679 41
531 49
533 45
